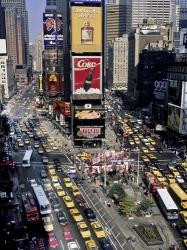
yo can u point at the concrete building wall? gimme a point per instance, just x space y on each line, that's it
39 47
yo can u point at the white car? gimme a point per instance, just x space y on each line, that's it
73 245
33 183
48 225
179 179
71 169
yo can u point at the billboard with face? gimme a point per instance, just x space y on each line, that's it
173 121
53 30
55 83
87 77
86 29
89 132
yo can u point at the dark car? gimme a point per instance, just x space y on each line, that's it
78 182
184 186
62 218
36 137
80 200
57 161
182 230
43 174
106 245
55 205
89 213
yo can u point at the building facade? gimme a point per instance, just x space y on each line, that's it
118 54
183 13
39 47
147 36
2 22
21 75
19 7
117 22
160 10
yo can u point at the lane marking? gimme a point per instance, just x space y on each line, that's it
62 245
68 159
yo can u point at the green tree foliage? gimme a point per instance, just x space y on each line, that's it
128 205
146 204
117 189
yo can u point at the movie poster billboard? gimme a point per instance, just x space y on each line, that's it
86 29
87 77
173 121
53 30
183 40
174 92
183 120
55 83
89 132
89 114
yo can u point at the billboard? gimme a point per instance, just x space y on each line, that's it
87 77
184 95
55 83
183 41
86 1
173 121
86 29
53 30
174 92
90 114
160 87
89 132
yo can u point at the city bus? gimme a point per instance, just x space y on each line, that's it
167 204
179 195
31 210
27 158
43 202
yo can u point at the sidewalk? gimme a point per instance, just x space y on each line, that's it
125 226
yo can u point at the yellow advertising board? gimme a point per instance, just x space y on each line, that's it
86 29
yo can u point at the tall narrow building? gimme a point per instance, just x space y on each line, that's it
39 46
2 22
183 13
117 22
19 7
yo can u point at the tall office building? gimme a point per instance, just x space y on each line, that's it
160 10
54 5
2 22
183 13
39 47
117 22
19 7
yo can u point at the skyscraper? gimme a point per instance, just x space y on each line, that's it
2 22
39 46
117 22
19 7
183 13
160 10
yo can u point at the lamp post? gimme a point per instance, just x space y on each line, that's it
138 170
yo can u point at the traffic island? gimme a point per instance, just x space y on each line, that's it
149 234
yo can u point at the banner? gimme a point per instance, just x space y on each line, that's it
55 83
174 92
183 41
173 121
92 114
87 77
86 29
89 132
53 30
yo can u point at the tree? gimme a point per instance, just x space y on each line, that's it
116 189
146 204
128 205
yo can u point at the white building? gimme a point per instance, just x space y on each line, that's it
7 80
39 47
118 54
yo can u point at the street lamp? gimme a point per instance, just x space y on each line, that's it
138 170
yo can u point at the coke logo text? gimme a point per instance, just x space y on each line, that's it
86 64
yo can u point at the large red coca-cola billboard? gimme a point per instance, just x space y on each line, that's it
55 83
87 77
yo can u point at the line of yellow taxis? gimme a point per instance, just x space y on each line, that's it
75 213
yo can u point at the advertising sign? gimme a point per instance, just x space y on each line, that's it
174 92
160 87
89 132
55 83
86 29
87 77
90 114
173 121
184 95
183 40
86 1
53 30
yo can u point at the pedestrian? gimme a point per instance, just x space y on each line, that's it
108 204
173 225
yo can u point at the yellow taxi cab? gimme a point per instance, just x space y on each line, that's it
52 171
60 191
157 173
68 182
48 225
51 166
131 142
153 168
185 242
49 139
171 179
98 229
90 245
75 190
151 148
76 214
175 172
83 229
40 151
144 150
163 181
68 201
152 157
21 144
184 216
145 159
